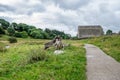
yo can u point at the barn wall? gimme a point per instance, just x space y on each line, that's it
89 31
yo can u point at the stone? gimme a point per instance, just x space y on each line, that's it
58 52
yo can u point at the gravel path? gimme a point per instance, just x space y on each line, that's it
101 66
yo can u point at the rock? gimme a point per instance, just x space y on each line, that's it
7 46
58 52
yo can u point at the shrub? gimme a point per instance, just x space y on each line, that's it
21 34
12 40
37 55
17 34
24 34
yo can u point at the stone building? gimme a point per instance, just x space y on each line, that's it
89 31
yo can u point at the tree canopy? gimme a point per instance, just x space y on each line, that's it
23 30
109 32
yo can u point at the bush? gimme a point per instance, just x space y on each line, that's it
37 55
17 34
21 34
12 40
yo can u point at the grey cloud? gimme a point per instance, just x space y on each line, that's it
32 9
103 16
22 8
68 4
99 14
6 8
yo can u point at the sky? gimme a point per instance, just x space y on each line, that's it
63 15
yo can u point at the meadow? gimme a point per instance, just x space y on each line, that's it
26 60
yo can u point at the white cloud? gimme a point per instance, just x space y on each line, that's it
64 15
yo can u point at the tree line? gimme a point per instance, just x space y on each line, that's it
23 30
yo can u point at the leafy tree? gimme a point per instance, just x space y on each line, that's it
21 34
15 25
10 31
24 34
36 34
18 34
2 30
23 27
5 24
47 30
109 32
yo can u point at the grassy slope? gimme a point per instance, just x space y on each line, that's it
14 63
109 44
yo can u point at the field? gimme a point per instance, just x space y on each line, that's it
26 60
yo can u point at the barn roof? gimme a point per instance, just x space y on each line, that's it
90 26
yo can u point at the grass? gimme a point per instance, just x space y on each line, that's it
109 44
26 60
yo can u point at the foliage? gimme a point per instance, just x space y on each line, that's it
109 32
10 31
18 30
36 34
5 24
12 40
15 26
53 33
22 34
2 30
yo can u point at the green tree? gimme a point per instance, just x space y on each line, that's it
109 32
15 25
5 24
2 30
10 31
22 34
23 27
36 34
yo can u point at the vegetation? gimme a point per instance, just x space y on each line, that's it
109 44
12 40
26 60
2 47
2 30
23 30
109 32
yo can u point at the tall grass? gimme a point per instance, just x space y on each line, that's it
26 60
109 44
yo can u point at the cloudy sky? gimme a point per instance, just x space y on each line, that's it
64 15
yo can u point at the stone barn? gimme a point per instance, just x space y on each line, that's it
89 31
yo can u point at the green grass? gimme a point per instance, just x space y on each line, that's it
109 44
16 64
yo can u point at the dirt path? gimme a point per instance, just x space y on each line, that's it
101 66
